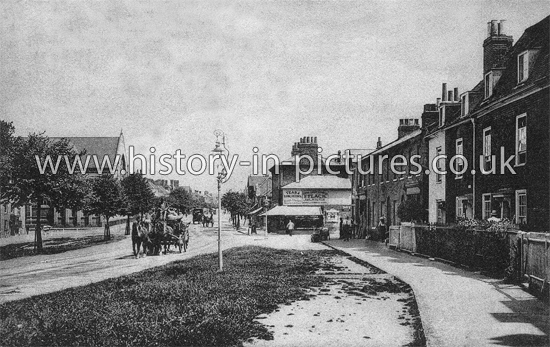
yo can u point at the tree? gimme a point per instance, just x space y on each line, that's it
30 182
237 205
137 196
106 199
181 200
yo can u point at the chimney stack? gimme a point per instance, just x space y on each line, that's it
407 126
379 143
444 92
456 94
450 97
495 46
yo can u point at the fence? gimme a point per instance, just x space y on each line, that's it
512 253
403 237
534 260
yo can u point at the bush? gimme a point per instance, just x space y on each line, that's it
477 244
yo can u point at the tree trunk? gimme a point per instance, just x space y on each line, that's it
107 232
38 228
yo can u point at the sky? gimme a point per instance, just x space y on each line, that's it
169 73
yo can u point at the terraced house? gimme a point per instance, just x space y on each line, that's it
494 136
489 126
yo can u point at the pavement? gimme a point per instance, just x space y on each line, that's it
459 307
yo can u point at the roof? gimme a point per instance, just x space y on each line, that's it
395 143
294 211
320 182
292 162
98 146
535 38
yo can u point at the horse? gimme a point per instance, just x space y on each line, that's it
181 231
140 237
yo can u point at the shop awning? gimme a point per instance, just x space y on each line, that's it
294 211
256 210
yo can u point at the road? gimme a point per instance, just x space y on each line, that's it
27 276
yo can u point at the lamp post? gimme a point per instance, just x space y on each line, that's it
221 177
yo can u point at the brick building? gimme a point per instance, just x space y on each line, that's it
393 173
490 125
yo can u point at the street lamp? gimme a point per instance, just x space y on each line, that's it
220 150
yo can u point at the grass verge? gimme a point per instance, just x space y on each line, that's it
54 246
184 303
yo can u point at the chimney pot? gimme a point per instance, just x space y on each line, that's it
456 94
438 102
444 92
450 95
501 27
494 29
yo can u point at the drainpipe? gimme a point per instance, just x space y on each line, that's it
474 167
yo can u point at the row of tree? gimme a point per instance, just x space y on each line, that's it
22 183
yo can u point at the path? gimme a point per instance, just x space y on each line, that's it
458 307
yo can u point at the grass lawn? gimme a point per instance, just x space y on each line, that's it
53 246
183 303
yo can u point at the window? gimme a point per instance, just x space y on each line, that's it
521 139
465 104
521 206
523 66
488 84
459 166
486 206
438 177
460 208
441 116
486 148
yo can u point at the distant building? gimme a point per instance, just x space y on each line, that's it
321 185
108 149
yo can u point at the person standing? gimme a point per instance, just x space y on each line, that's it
383 230
290 227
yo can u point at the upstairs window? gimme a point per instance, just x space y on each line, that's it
523 66
488 84
486 148
521 139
